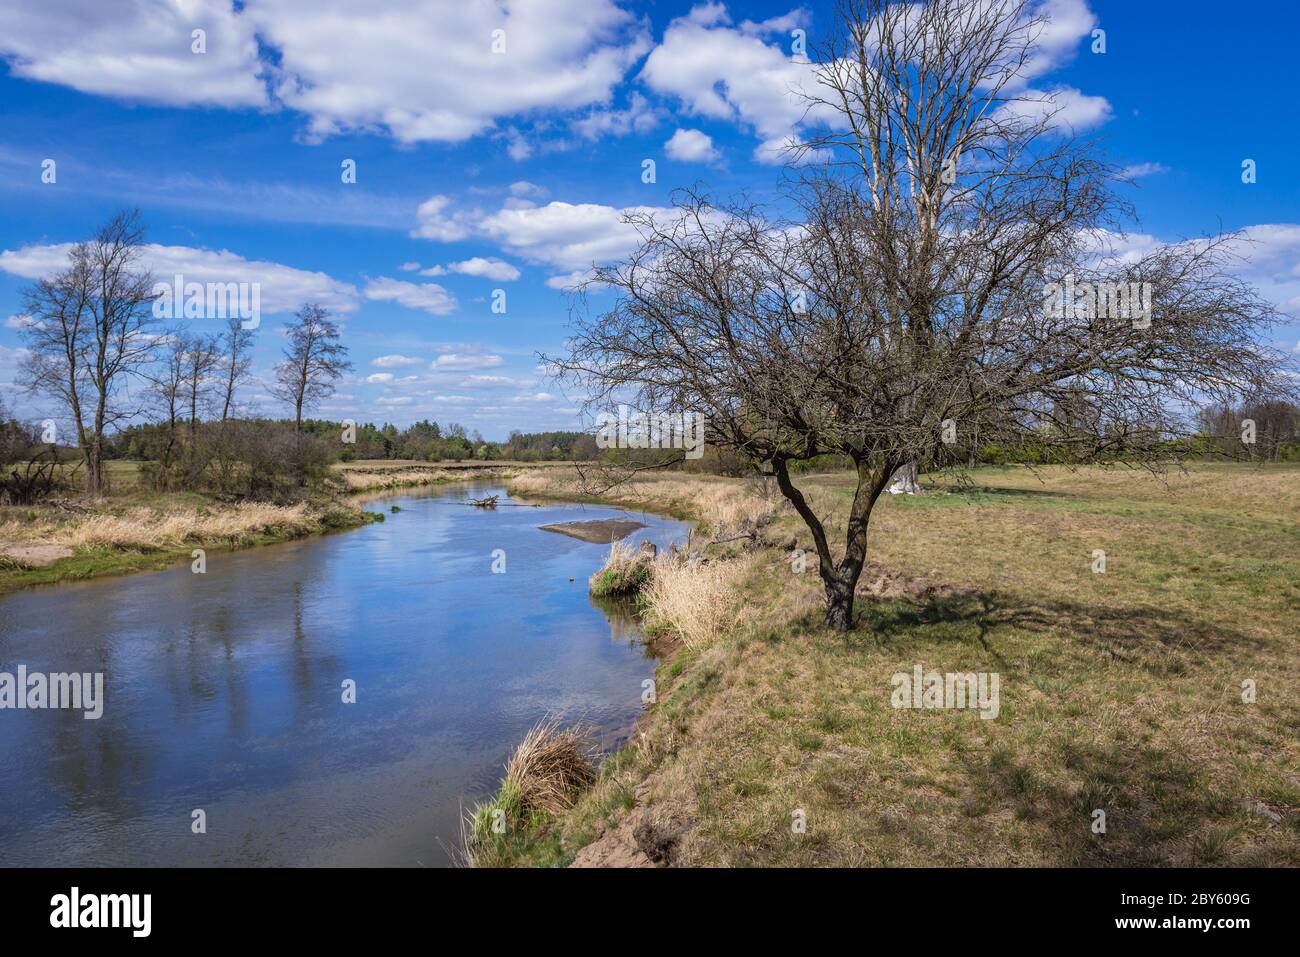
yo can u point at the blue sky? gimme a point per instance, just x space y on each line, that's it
479 171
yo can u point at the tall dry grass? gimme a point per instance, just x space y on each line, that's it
546 774
550 767
695 599
359 480
624 573
146 527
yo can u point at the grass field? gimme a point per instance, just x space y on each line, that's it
1120 691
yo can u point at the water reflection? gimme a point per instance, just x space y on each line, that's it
223 690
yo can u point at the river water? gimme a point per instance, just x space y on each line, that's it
224 690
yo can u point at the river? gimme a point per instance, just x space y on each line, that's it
224 691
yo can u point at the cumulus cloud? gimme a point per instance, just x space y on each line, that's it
456 362
140 51
282 288
437 221
486 267
396 361
526 190
638 117
1266 255
1063 24
1064 108
378 378
725 73
420 72
565 235
427 71
428 296
569 237
691 146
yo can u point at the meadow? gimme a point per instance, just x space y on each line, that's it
1161 691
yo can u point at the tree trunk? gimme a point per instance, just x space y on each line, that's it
94 468
840 585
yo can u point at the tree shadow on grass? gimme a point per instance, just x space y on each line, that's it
1147 637
1157 807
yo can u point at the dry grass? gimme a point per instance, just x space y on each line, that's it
548 771
159 527
696 600
624 573
1120 691
361 480
162 528
550 767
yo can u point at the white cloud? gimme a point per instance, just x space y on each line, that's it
1065 108
139 51
426 71
691 146
428 296
410 267
638 117
456 362
731 74
1065 23
488 268
379 377
435 223
1138 170
396 361
565 235
569 280
526 190
418 71
283 288
19 322
1266 255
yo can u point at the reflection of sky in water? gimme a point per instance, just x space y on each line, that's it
222 691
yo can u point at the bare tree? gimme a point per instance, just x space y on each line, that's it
166 389
202 355
915 294
89 335
237 344
314 361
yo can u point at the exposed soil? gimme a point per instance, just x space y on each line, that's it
35 556
600 531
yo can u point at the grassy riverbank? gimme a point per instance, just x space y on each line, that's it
135 532
1121 691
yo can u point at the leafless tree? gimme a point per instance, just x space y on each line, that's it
1257 429
89 335
314 361
202 355
237 344
166 389
910 291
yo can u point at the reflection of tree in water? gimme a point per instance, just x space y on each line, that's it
624 626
